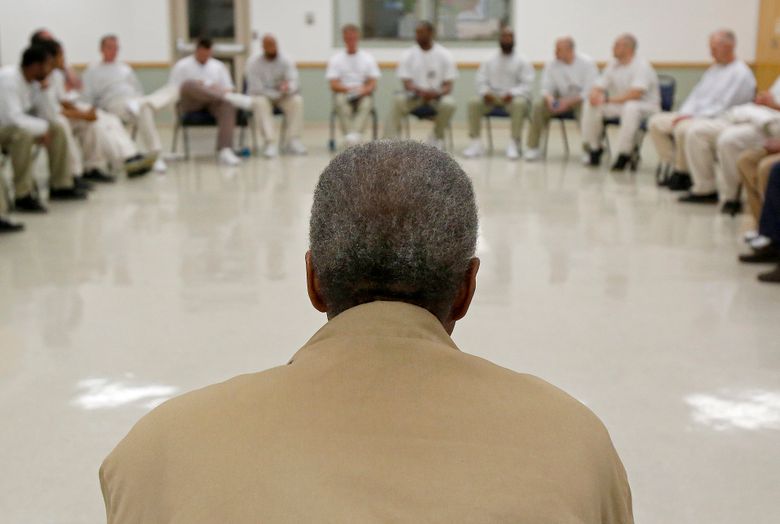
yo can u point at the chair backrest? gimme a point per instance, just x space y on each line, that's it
667 85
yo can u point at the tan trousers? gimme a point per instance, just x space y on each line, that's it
75 159
263 116
352 115
19 144
631 115
518 109
540 119
669 140
144 119
194 96
711 139
403 105
754 166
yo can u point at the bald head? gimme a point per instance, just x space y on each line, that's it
625 47
270 49
564 49
723 44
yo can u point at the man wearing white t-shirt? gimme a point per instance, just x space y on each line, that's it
272 82
566 81
627 89
113 86
724 139
504 81
728 82
427 71
352 74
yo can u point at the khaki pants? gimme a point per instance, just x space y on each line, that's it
518 109
75 159
540 119
403 105
352 114
707 141
630 113
263 116
669 140
105 143
19 144
754 167
144 119
194 96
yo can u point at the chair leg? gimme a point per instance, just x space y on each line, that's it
175 136
565 137
186 137
332 131
241 137
374 124
489 134
283 133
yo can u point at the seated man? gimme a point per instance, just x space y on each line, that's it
566 81
272 82
722 140
204 83
22 126
113 86
728 82
769 228
427 71
93 136
72 80
627 89
505 81
379 417
352 74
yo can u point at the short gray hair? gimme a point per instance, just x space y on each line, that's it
726 34
630 40
392 220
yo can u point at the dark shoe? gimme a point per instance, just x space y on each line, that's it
29 204
97 175
766 254
595 157
9 226
772 277
67 193
731 207
82 184
621 163
139 165
706 198
679 181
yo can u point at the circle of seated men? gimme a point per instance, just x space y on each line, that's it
720 139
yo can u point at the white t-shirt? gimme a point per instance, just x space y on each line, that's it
560 79
212 73
427 69
105 83
618 79
352 70
506 75
22 104
721 87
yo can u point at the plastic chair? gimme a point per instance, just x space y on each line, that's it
185 120
562 118
667 86
426 112
334 114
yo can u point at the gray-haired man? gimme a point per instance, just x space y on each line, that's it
379 416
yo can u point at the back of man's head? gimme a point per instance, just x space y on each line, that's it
35 54
392 220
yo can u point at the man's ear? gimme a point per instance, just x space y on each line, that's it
465 294
313 286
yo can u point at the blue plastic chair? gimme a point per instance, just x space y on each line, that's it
426 112
562 118
496 112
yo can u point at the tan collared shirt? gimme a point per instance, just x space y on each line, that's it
378 418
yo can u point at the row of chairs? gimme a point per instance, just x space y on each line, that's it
185 120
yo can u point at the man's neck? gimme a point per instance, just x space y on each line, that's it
625 60
427 48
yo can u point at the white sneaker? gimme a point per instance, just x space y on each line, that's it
749 236
353 139
228 158
585 159
271 150
532 155
239 100
511 150
474 149
760 242
296 147
160 166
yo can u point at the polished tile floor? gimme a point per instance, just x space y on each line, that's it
599 283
